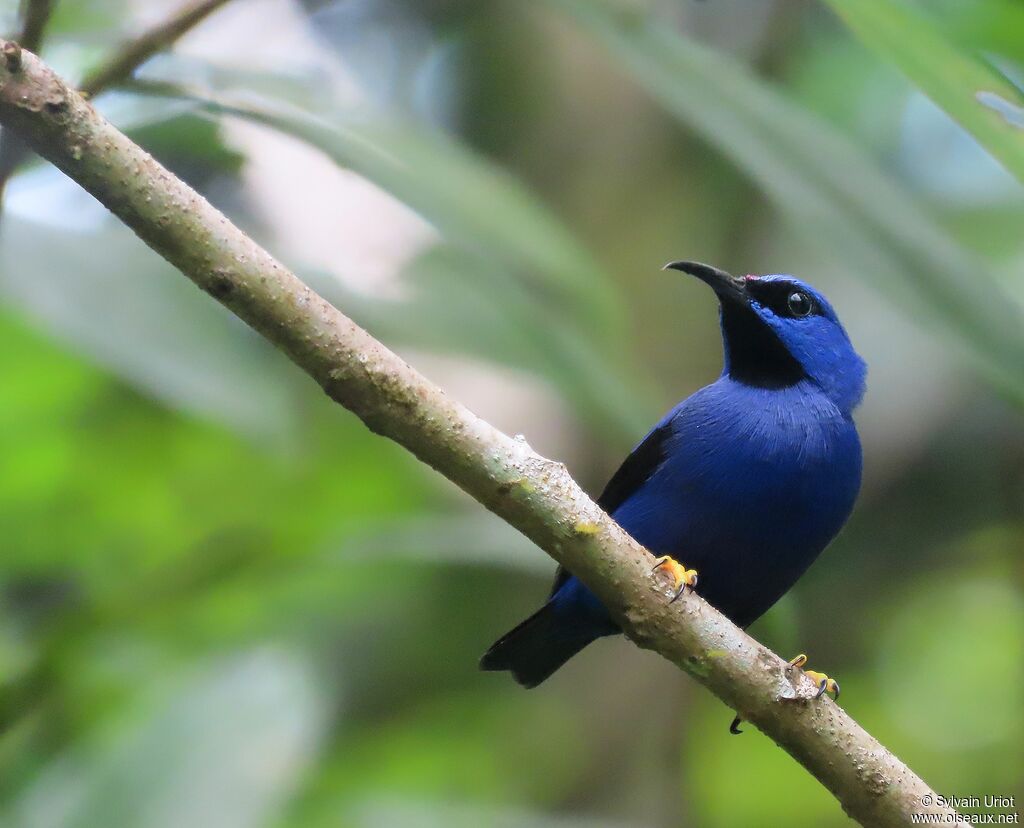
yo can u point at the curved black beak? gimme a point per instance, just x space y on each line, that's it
726 286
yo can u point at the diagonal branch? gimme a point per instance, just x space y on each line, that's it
535 495
129 57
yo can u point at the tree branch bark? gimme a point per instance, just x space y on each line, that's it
533 494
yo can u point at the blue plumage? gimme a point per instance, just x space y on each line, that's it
746 481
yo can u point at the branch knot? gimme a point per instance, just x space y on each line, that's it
12 56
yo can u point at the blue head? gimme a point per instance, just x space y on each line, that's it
779 331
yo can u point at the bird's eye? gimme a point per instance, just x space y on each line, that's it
799 303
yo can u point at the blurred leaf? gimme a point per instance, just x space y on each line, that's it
226 749
468 199
503 248
187 138
474 202
472 539
447 308
832 193
462 304
109 295
970 91
992 26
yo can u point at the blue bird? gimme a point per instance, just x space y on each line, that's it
747 480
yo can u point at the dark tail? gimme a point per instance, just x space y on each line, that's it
537 647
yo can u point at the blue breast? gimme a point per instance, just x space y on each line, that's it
753 485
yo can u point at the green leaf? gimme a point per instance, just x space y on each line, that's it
831 192
971 92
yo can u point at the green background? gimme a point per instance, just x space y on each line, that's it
223 602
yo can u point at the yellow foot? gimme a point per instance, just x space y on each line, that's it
825 685
681 576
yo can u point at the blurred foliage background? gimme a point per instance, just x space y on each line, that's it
223 602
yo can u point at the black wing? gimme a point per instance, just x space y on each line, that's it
635 470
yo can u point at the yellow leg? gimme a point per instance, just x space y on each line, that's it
681 576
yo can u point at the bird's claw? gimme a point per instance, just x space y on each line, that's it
825 685
681 576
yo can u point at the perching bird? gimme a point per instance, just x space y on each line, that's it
747 480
